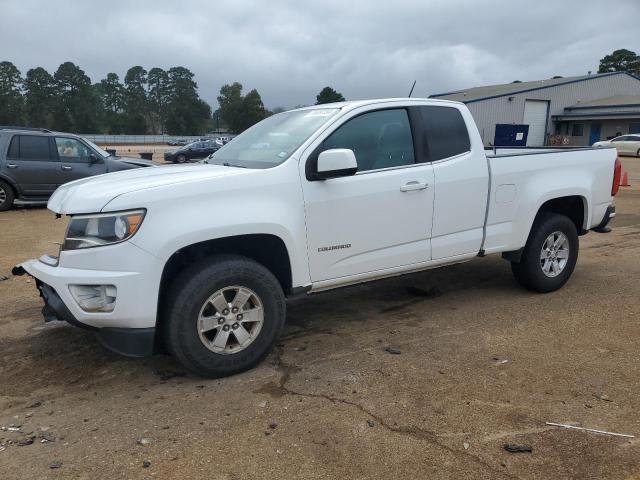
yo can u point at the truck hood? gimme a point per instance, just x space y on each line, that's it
91 195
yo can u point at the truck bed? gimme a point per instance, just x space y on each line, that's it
522 179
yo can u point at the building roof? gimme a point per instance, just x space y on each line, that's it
615 101
476 94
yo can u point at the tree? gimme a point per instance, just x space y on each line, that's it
187 113
622 60
11 101
110 94
39 94
240 112
76 108
230 101
328 95
135 100
157 98
252 110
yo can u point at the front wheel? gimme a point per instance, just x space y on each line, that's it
224 315
550 254
181 158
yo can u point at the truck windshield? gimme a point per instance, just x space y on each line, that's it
273 140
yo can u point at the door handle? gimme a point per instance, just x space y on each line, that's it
411 186
12 165
66 167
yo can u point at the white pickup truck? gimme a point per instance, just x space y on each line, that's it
200 258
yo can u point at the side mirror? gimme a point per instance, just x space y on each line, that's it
93 158
337 162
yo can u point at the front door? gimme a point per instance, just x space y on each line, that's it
31 165
75 161
594 134
380 217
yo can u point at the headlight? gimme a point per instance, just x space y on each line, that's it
86 231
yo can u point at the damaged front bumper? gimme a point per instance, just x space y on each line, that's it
129 342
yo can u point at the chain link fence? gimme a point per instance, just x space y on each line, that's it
146 139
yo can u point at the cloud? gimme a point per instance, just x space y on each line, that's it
289 50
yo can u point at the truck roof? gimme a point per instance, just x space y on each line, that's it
361 103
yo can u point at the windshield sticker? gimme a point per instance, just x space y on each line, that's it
282 154
320 113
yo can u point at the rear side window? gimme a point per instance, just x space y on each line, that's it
445 130
29 147
14 148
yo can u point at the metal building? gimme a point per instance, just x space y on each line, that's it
562 111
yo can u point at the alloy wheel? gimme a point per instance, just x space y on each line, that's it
554 254
230 320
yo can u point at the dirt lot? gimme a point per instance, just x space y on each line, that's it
482 363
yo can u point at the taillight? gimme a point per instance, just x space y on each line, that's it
617 171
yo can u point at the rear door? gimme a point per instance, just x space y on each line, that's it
461 182
75 161
201 150
33 165
634 145
622 144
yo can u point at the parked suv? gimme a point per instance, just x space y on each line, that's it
34 162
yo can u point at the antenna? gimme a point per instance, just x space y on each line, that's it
412 87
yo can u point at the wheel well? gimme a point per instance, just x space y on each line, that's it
572 207
265 249
11 186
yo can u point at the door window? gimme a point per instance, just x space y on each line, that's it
445 130
71 150
29 147
379 139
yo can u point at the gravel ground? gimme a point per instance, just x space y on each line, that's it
481 363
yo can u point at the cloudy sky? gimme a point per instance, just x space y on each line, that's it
290 49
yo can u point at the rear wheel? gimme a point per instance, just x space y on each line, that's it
6 196
224 316
550 254
638 153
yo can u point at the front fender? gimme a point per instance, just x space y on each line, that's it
262 202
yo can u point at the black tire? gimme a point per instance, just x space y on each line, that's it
190 291
6 196
181 158
638 153
529 272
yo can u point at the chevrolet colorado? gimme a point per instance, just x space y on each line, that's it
200 258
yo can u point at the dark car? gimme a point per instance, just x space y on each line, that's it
177 142
34 162
193 151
